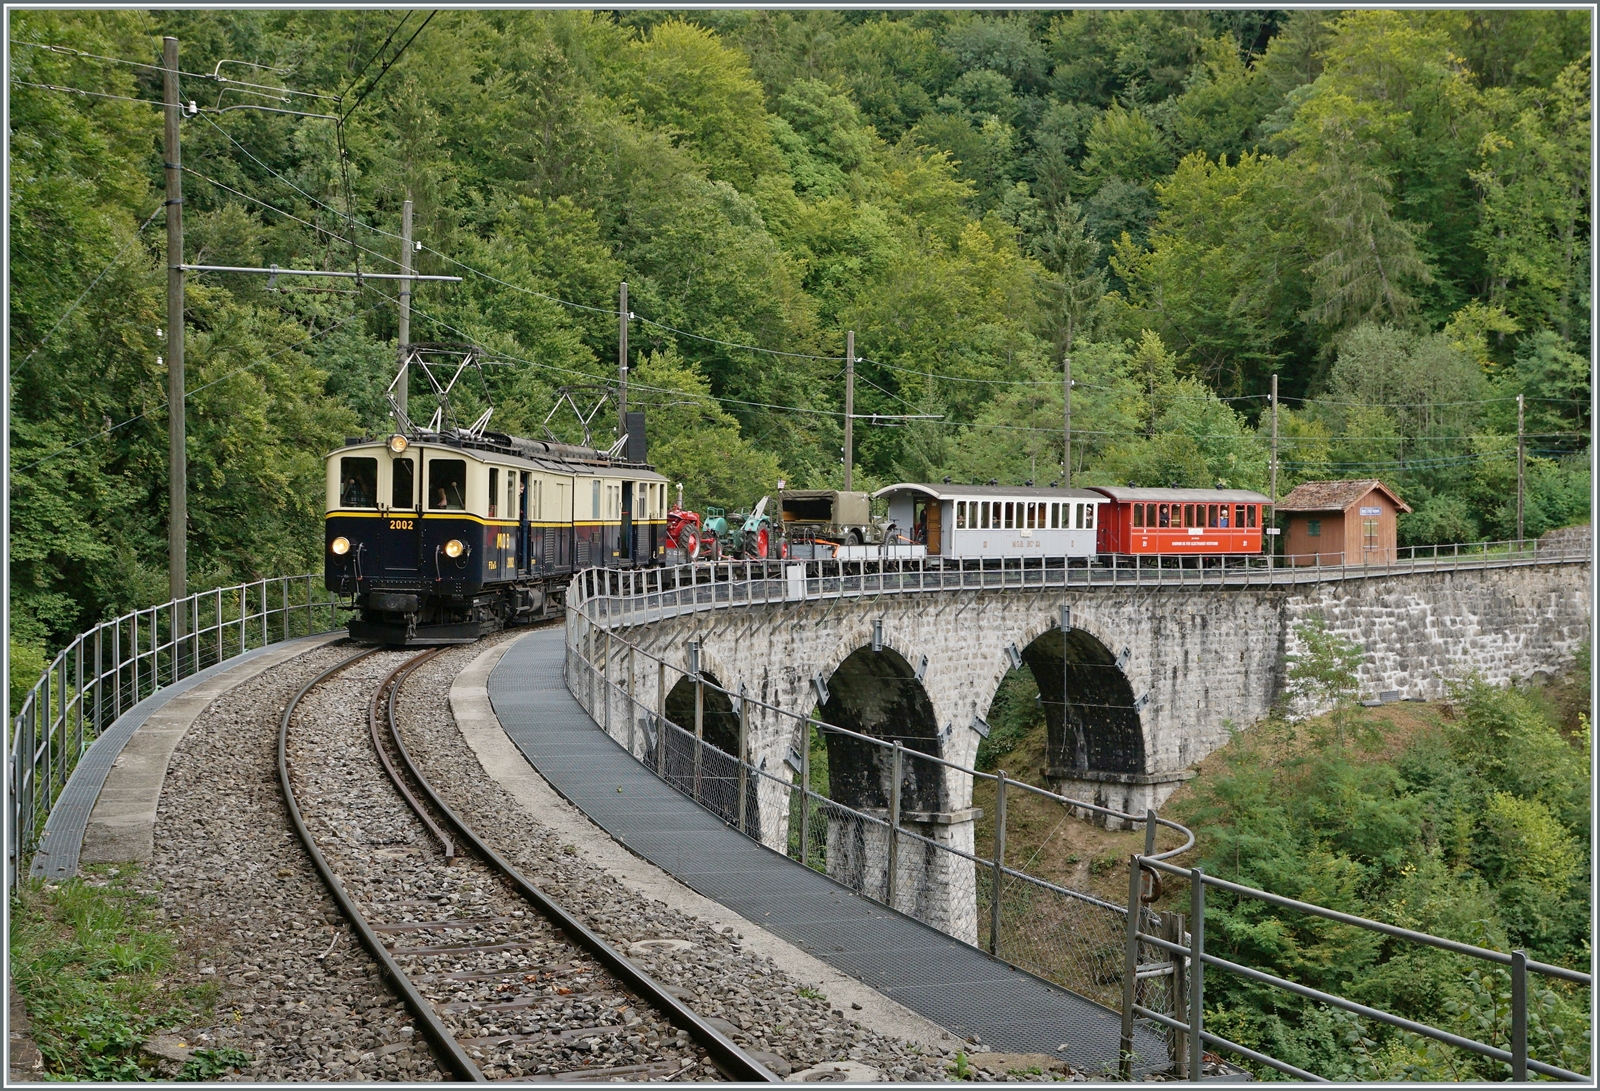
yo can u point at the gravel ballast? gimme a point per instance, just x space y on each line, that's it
298 993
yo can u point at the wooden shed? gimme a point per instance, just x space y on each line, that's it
1341 522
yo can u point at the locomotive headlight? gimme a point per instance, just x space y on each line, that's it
340 546
454 548
398 444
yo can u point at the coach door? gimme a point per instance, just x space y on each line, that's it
625 531
523 542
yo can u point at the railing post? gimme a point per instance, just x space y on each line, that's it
1519 1016
661 718
1197 971
1172 932
77 718
99 679
997 883
1130 970
894 823
629 703
805 798
699 722
1149 832
605 684
744 757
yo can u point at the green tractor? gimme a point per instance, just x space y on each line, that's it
746 536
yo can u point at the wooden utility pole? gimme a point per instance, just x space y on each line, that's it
1066 420
402 388
1272 517
177 454
622 362
849 407
1522 448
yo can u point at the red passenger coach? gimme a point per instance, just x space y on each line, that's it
1179 522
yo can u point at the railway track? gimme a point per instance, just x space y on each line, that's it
505 983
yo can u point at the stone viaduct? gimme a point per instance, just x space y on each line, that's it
1138 683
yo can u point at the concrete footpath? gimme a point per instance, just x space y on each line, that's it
949 983
107 811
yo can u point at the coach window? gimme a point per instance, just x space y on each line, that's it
447 484
1138 515
1011 515
1250 514
1211 515
494 492
1222 516
405 474
358 482
961 515
1088 515
1163 515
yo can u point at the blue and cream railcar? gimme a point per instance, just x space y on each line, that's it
442 539
966 522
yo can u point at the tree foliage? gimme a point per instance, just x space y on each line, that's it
1384 208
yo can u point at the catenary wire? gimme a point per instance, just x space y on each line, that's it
69 51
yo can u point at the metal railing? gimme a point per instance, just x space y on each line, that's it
906 854
637 595
1071 937
115 665
1186 961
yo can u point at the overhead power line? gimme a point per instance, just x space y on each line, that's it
388 64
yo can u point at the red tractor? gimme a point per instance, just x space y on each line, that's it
684 532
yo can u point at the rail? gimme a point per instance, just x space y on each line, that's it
632 596
1186 960
1013 908
112 667
909 854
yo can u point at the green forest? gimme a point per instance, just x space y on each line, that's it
1387 210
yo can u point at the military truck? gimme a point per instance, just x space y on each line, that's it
816 521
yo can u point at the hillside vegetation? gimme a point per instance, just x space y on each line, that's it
1468 819
1387 209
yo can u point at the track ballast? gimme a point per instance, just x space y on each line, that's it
505 983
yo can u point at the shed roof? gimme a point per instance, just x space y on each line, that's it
1336 495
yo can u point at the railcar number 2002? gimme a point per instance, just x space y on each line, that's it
402 524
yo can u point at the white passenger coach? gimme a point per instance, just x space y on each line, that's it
967 522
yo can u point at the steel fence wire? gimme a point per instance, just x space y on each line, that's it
110 668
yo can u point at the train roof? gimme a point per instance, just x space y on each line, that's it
1231 496
983 492
536 454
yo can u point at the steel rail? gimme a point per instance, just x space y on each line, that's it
1244 1051
734 1061
1455 946
1356 1008
392 686
432 1026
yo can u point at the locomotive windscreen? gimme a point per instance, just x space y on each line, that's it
447 484
358 482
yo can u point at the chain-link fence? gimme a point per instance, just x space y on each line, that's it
905 847
112 667
910 851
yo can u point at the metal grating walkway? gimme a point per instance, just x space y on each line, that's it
955 985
